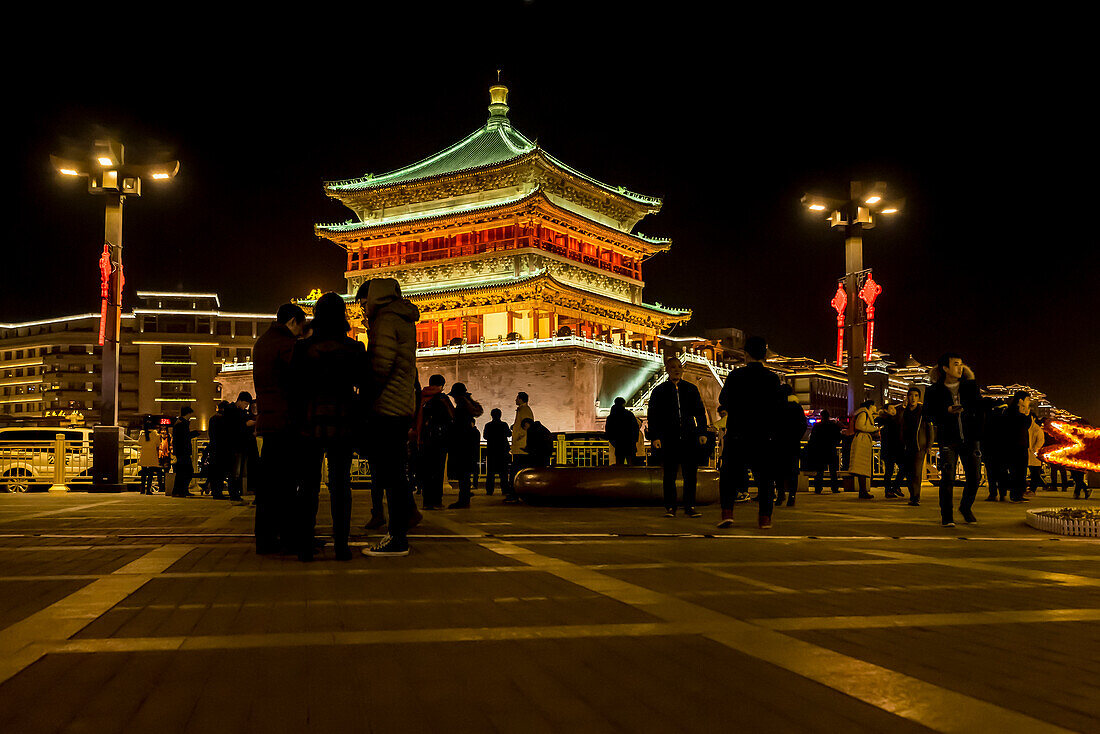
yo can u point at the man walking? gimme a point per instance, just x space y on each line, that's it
278 472
391 400
953 403
751 395
181 448
915 436
677 427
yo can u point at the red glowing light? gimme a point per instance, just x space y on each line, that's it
839 302
869 292
1080 449
104 288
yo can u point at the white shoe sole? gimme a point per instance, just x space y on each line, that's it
384 554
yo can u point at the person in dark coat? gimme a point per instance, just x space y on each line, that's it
327 370
432 434
751 395
890 449
1016 444
497 452
821 450
993 450
222 434
462 450
391 404
789 430
677 428
275 492
953 402
915 436
540 443
242 442
621 429
181 448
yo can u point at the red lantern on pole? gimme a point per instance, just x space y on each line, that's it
104 288
839 302
869 292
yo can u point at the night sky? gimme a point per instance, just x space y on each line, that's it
728 118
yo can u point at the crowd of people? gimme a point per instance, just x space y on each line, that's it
761 427
323 397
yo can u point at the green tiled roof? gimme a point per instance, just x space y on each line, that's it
496 142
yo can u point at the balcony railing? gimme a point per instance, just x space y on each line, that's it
393 259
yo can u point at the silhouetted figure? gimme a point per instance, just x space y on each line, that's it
677 428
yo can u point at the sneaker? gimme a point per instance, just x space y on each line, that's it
691 512
790 502
914 503
458 506
949 524
969 519
671 512
764 522
376 521
867 496
727 522
991 498
511 500
388 548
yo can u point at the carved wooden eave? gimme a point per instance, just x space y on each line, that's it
543 292
532 209
534 168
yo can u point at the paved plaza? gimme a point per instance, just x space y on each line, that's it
130 613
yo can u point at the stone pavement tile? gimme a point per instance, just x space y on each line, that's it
680 580
1013 674
995 549
682 550
427 553
20 598
1078 568
615 684
226 605
63 561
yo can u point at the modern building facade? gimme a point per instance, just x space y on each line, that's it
173 347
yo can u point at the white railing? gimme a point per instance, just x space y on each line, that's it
501 345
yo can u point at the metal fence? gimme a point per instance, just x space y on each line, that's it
26 465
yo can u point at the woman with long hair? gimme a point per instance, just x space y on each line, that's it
149 460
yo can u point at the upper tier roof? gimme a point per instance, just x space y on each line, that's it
497 142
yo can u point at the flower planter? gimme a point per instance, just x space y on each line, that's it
1066 521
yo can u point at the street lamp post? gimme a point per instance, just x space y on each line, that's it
109 175
853 215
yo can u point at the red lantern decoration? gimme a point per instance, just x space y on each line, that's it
104 290
1080 447
839 302
869 292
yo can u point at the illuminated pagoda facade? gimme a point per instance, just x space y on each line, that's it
507 250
